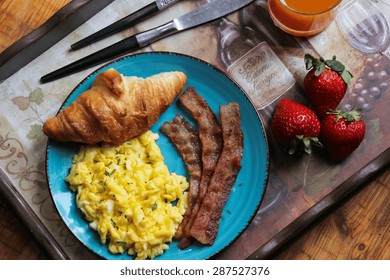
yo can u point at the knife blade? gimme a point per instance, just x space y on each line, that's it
203 14
126 22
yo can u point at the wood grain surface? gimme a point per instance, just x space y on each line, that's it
356 228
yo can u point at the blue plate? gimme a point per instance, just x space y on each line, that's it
217 89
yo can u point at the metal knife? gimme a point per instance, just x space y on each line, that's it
201 15
125 22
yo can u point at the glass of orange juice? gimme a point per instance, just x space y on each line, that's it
302 17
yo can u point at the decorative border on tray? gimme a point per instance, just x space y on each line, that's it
78 11
16 57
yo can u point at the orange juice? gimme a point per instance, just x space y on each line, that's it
302 17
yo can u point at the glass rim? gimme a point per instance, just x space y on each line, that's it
309 14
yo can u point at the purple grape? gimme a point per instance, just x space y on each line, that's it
383 75
358 87
376 67
383 86
369 61
347 107
360 100
375 92
367 107
353 97
371 85
371 76
364 93
370 98
367 70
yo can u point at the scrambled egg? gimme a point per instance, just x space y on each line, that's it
128 195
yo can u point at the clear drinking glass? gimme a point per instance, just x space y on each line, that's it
364 26
387 2
302 18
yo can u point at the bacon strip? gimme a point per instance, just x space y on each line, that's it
186 140
206 223
210 136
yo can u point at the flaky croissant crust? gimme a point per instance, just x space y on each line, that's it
116 108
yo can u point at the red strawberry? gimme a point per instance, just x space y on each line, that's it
342 133
294 123
325 83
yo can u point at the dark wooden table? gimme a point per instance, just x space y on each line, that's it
356 228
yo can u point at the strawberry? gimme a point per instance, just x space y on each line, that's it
325 84
293 124
342 133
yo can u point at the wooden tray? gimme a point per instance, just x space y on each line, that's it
299 189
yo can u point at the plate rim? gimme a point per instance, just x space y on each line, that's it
213 67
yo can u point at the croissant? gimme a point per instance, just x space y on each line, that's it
116 108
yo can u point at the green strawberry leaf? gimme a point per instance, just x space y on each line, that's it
338 67
347 76
319 69
307 145
349 116
335 65
303 143
308 61
320 65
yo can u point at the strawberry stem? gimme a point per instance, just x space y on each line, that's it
306 143
319 65
350 116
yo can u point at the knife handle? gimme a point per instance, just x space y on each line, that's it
118 26
127 45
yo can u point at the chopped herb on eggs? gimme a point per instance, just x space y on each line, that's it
128 195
